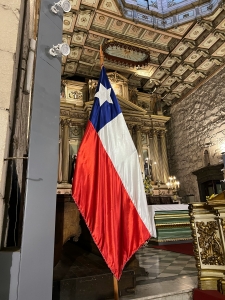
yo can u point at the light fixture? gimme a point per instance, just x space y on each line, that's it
63 49
63 4
125 54
173 184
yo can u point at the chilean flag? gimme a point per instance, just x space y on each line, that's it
107 184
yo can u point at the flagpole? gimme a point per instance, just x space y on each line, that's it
115 281
101 57
115 288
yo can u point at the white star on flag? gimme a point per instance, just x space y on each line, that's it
103 94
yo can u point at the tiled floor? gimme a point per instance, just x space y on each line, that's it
161 264
170 275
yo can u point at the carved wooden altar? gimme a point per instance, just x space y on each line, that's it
143 115
208 229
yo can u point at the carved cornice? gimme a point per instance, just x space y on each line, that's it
139 128
73 114
65 122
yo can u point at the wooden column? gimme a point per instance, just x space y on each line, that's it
165 166
65 151
160 159
151 152
139 148
156 156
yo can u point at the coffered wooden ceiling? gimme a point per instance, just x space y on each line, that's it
183 54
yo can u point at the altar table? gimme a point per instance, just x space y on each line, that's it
169 222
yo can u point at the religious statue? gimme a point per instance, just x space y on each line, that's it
147 168
74 159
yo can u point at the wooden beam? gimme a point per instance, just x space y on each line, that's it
147 27
127 41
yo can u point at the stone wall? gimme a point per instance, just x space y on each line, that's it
197 124
16 23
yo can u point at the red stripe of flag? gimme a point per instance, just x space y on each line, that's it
107 209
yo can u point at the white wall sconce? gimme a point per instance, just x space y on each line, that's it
63 4
59 49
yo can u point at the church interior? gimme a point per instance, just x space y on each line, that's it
165 60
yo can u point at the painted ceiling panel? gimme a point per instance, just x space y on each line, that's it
92 3
169 62
182 52
75 4
220 51
180 49
100 20
194 33
208 42
110 6
169 81
79 38
180 70
68 22
180 29
84 19
118 26
192 77
221 26
193 57
206 65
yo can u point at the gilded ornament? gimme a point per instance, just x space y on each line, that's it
119 23
195 32
147 185
211 250
150 33
135 29
66 22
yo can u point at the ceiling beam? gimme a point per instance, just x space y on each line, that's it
147 27
110 37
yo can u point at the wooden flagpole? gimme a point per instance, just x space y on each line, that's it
101 57
115 281
115 288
